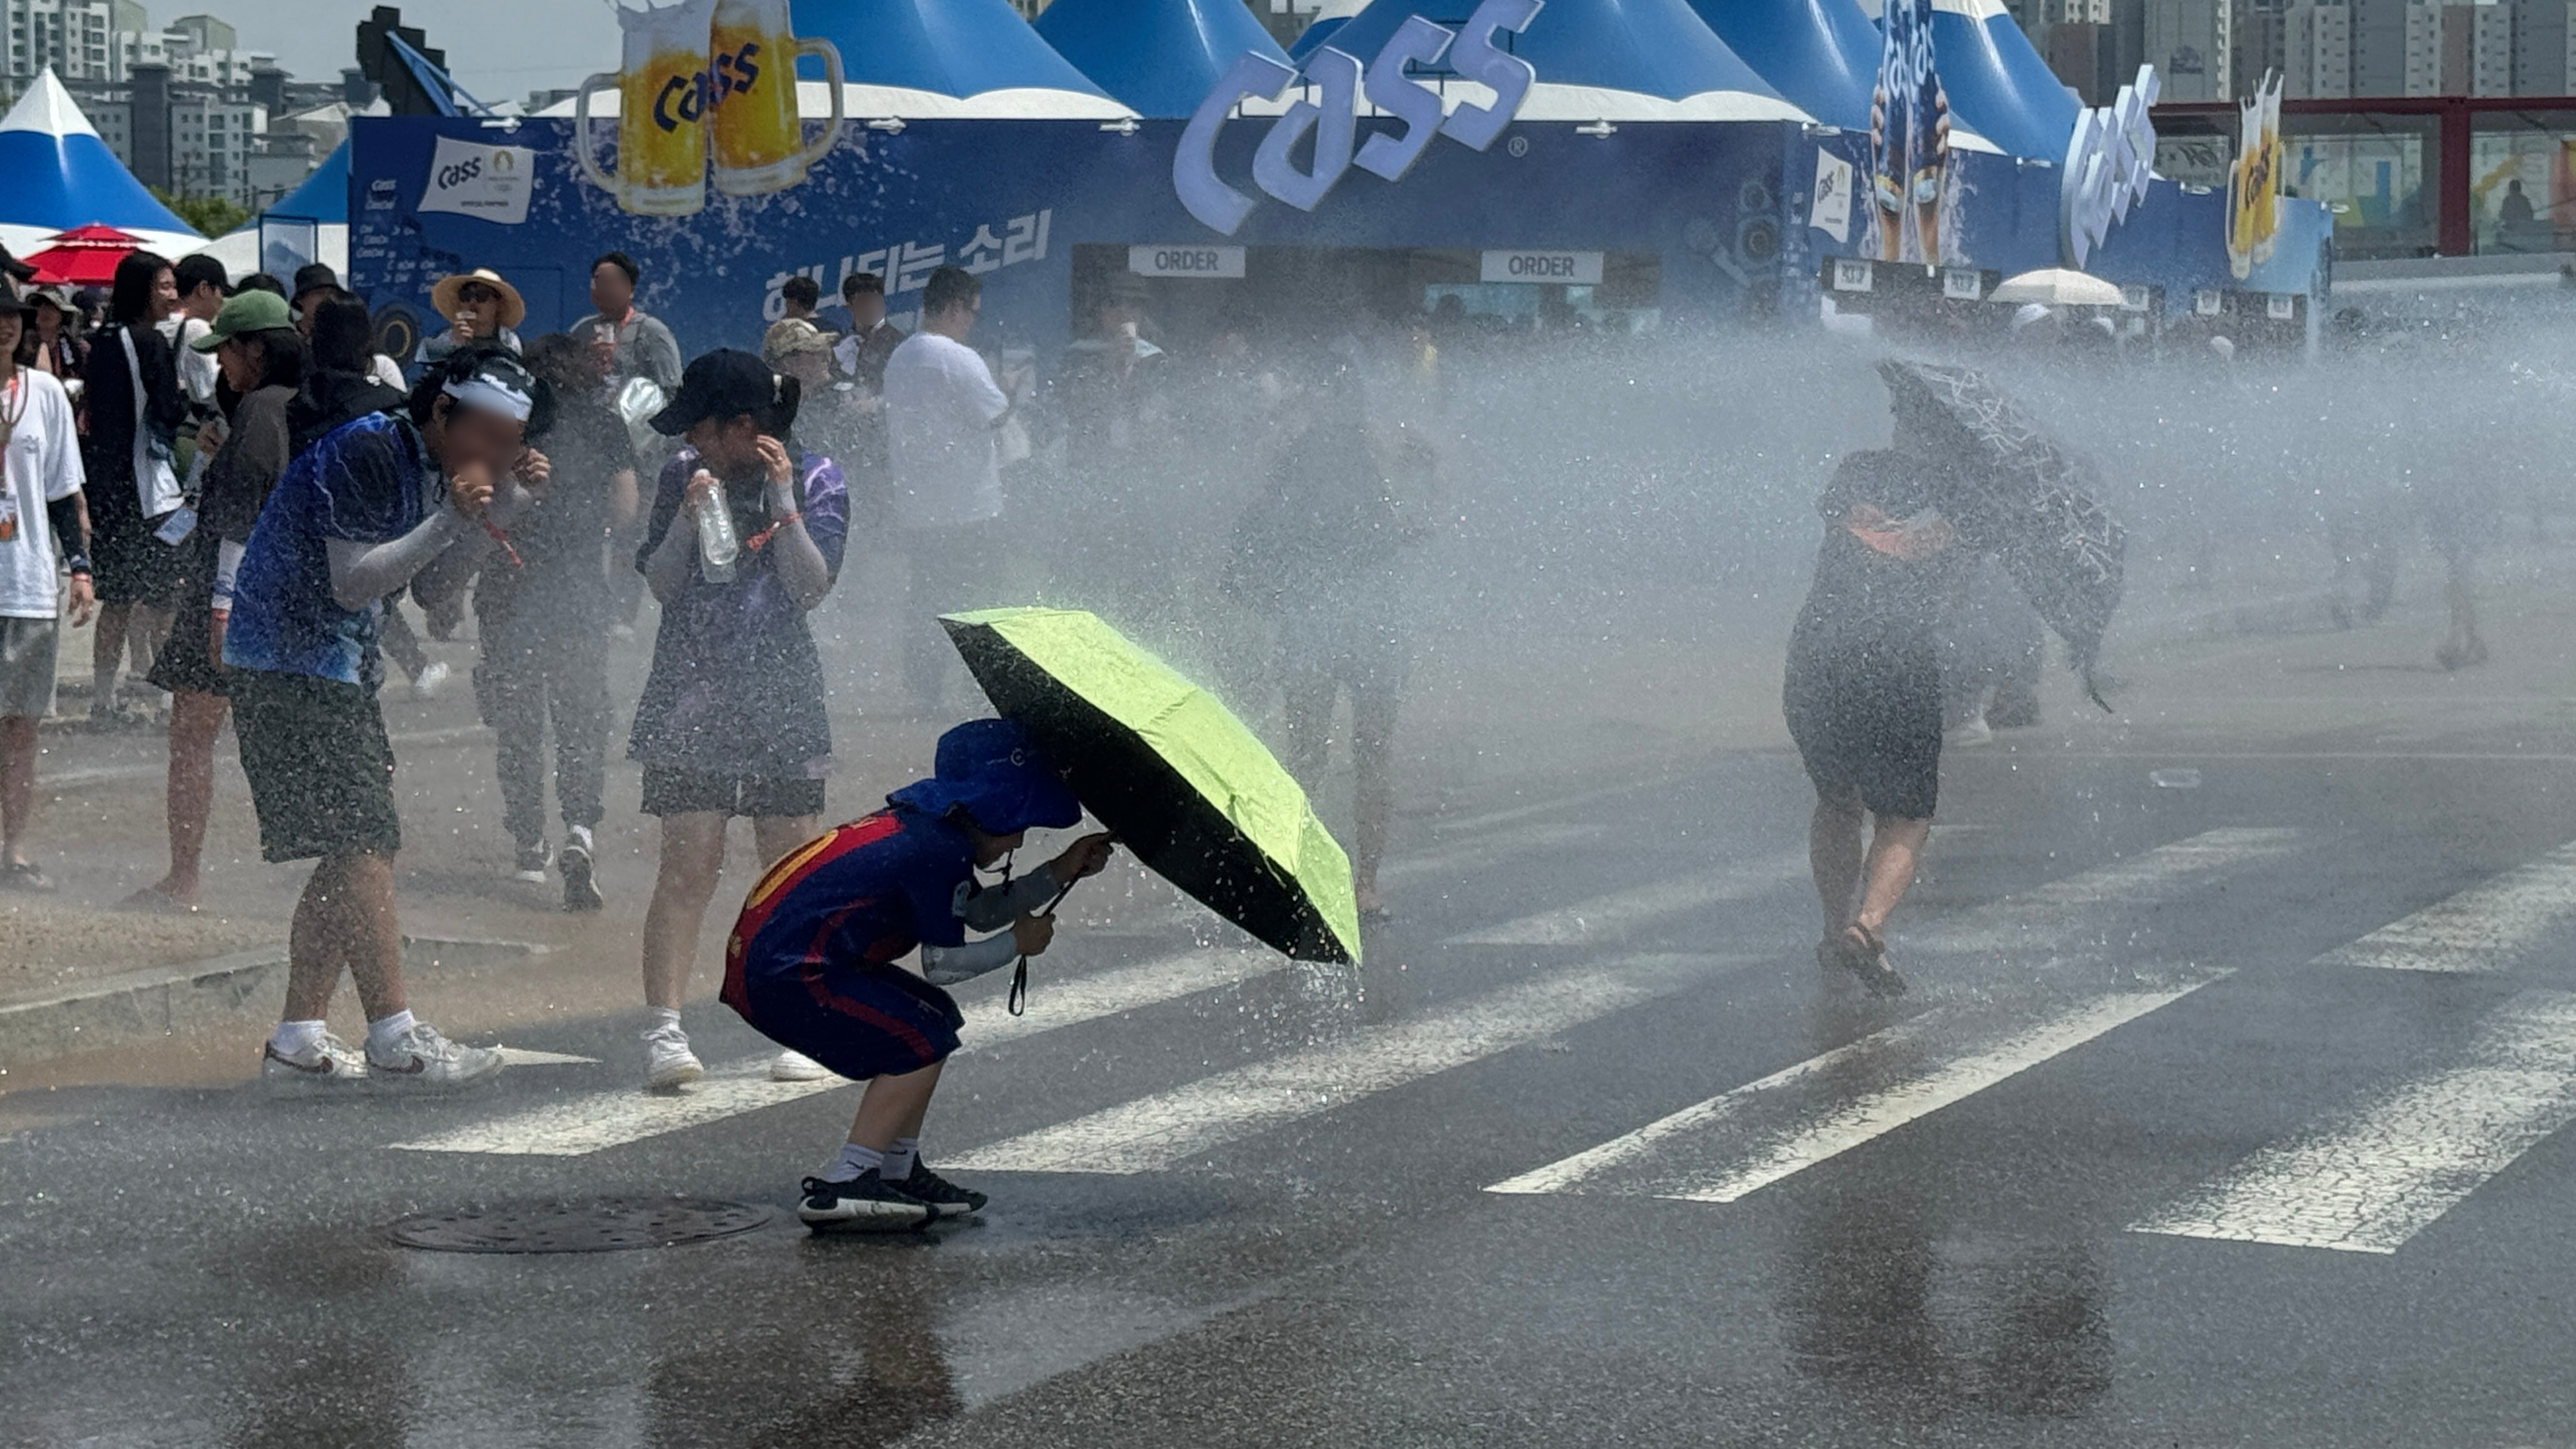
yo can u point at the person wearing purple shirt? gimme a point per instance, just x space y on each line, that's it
731 721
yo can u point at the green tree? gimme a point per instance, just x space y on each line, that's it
212 215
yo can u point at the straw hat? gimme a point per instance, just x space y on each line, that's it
514 308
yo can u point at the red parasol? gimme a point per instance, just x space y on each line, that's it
85 256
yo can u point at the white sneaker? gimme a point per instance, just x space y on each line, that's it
326 1062
668 1062
425 685
421 1060
1972 734
797 1067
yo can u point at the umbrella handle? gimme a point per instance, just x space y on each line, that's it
1018 1001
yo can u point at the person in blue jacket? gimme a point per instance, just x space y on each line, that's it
812 961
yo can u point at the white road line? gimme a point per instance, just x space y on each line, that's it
1605 919
1155 1132
1491 850
1742 1140
601 1120
2374 1178
2483 928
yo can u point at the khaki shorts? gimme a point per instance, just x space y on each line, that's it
27 667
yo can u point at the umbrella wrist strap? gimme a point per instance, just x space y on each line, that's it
1018 1001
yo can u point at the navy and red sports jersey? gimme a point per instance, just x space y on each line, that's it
864 894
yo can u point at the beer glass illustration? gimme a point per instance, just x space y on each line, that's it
759 137
663 94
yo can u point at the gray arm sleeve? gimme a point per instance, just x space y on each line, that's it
948 965
362 573
993 909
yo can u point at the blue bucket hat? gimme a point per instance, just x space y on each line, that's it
991 767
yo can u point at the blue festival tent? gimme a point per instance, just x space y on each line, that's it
61 175
1821 54
1996 83
1161 57
1614 60
324 196
914 52
1332 15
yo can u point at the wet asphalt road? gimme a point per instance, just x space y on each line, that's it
1266 1212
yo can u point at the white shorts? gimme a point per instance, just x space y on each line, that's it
27 667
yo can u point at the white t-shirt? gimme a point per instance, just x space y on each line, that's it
41 465
198 371
941 404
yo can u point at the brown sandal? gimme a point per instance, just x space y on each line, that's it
1868 961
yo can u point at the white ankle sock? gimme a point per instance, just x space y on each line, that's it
292 1037
663 1017
381 1033
900 1154
853 1161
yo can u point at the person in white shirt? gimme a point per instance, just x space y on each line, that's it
942 411
41 513
203 285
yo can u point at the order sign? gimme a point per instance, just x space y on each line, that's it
1185 261
1576 269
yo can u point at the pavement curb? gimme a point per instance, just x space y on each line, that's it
156 1001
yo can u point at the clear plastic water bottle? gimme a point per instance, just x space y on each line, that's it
717 544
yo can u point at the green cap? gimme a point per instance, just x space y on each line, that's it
247 311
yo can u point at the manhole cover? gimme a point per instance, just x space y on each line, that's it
592 1225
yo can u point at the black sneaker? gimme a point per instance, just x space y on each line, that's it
865 1204
945 1198
534 857
581 890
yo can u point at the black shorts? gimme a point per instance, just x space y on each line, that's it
321 770
1869 721
672 790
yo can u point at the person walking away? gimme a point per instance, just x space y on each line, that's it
2461 511
481 310
543 623
1324 552
42 514
731 721
133 409
373 505
858 365
943 410
1110 398
1863 699
341 381
316 283
254 341
811 962
628 342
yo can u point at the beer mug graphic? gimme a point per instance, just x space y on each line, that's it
759 135
663 94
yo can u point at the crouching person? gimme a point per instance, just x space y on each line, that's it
811 963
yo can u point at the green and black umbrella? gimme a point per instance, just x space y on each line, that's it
1166 766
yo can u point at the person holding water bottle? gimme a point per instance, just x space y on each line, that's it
744 538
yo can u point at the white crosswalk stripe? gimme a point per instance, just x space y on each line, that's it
600 1120
2487 927
1158 1131
2370 1180
1610 918
1745 1139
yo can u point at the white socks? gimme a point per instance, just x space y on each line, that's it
854 1162
294 1038
900 1154
665 1018
385 1031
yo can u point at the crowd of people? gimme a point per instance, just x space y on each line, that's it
247 495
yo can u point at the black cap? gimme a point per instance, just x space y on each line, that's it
313 277
725 383
197 270
21 271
